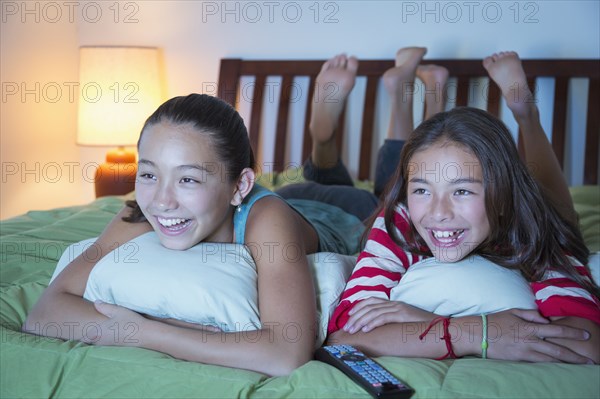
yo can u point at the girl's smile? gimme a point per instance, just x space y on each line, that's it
446 200
447 238
173 226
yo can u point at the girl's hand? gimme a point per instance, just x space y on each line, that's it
521 335
375 312
122 328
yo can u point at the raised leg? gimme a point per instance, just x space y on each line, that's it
506 70
399 82
434 77
333 84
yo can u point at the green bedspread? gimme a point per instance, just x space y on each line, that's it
37 367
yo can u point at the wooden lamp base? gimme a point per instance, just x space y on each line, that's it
117 175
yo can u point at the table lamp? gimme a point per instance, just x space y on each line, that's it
119 89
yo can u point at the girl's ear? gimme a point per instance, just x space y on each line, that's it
244 185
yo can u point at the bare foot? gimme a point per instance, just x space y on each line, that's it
506 70
407 60
333 84
434 78
399 83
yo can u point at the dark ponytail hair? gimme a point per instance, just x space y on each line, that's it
527 232
214 118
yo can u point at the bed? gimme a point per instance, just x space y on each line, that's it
34 367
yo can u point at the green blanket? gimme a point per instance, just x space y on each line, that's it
37 367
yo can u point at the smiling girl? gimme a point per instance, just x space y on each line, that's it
195 184
445 183
460 189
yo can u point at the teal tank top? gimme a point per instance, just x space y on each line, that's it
338 231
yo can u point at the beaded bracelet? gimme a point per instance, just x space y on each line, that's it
484 338
446 337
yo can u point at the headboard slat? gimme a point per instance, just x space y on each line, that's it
255 116
559 121
341 129
590 174
368 121
307 140
229 78
282 121
462 91
493 99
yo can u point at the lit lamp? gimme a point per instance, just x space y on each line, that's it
119 89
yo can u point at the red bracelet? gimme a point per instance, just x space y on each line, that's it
446 337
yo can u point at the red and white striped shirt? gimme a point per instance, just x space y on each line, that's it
382 263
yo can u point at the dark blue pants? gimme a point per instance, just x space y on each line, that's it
334 185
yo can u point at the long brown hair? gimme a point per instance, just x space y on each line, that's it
527 232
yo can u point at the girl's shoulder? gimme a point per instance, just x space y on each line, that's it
258 192
273 226
260 212
260 200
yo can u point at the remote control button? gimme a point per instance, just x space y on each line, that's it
352 358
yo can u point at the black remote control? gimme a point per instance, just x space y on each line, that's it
363 370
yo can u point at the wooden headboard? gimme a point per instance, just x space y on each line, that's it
462 72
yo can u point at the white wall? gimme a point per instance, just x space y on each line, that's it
43 168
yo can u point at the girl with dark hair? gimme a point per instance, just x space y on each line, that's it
195 184
461 202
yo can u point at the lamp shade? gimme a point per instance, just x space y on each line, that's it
119 89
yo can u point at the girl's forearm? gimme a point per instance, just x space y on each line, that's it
272 350
514 334
65 316
402 339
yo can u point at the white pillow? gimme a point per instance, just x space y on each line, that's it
468 287
210 283
330 273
